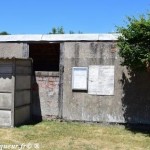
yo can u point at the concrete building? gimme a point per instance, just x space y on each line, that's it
62 62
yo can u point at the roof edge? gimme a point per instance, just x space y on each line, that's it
59 37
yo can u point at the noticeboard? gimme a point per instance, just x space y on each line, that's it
101 80
79 78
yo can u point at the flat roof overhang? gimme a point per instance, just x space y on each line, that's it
58 37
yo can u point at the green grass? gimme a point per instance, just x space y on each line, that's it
54 135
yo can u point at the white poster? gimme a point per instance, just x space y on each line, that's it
79 78
101 80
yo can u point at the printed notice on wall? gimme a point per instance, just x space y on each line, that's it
101 80
79 78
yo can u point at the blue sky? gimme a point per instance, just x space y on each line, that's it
88 16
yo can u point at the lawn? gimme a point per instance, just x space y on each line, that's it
55 135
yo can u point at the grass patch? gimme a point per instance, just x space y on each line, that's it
54 135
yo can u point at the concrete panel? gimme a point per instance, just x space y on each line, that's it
5 118
90 50
23 70
80 105
22 98
9 50
25 62
6 69
131 99
25 51
22 115
6 83
5 100
23 82
14 91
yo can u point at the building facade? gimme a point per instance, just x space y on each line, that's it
61 62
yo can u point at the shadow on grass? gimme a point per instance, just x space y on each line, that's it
139 128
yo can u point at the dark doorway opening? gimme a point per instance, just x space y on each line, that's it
45 79
45 56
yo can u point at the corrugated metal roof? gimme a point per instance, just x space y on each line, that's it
59 37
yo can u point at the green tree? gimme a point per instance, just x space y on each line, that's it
58 30
4 33
71 32
134 43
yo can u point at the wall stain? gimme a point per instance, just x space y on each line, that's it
76 54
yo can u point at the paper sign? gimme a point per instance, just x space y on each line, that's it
79 78
101 80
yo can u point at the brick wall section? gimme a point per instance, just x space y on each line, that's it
45 95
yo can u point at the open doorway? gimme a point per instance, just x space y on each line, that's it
45 56
45 91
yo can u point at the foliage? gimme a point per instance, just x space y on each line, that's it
4 33
58 30
134 43
71 32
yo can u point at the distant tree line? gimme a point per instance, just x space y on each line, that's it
60 30
4 33
54 30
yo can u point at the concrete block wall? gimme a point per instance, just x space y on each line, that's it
6 96
45 85
15 92
22 100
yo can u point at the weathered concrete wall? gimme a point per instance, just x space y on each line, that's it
18 50
131 99
45 84
130 103
14 96
45 95
22 97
